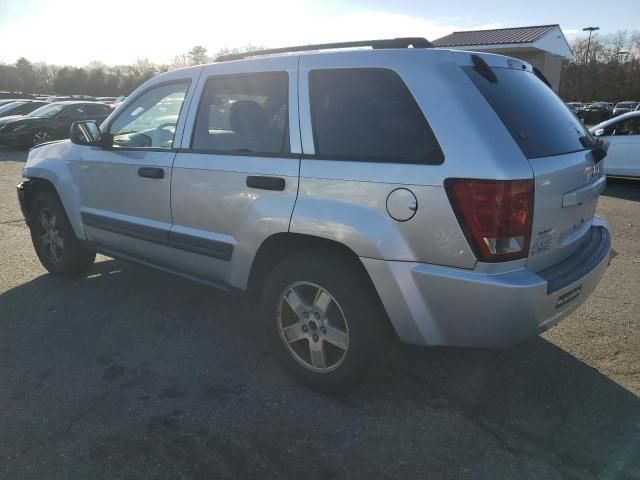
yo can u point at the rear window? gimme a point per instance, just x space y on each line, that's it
534 115
368 114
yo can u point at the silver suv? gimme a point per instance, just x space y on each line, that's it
449 195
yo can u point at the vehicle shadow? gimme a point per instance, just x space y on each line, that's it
623 188
133 373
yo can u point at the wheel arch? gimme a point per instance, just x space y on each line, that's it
46 168
32 187
278 246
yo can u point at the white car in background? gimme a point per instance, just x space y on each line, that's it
623 135
624 107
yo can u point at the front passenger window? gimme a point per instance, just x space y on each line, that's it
150 121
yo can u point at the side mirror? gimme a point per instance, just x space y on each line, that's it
599 132
86 132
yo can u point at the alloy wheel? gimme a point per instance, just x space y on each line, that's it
41 136
49 236
313 327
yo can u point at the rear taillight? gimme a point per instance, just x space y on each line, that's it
495 215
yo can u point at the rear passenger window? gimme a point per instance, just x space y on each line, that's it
368 114
244 114
97 110
76 112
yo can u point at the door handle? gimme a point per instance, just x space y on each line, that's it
265 183
151 172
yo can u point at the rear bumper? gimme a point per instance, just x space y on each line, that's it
433 305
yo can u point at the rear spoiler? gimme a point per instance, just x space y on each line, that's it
599 150
541 76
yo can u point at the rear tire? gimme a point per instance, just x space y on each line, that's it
54 240
324 321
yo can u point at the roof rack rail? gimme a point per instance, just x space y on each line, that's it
415 42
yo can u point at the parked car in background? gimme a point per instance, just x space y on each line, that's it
623 134
334 187
575 107
6 101
4 95
20 107
624 107
61 98
49 122
595 113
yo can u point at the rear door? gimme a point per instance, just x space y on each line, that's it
235 179
568 180
623 157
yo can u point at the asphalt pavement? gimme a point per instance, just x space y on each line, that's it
132 373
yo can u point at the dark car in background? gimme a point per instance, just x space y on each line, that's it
14 95
595 113
624 107
20 107
50 122
575 107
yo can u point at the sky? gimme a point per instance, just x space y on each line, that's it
77 32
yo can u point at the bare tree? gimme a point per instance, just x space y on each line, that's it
611 73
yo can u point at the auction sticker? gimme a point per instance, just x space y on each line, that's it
543 242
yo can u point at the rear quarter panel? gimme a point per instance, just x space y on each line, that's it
346 200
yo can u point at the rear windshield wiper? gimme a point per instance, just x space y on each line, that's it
483 68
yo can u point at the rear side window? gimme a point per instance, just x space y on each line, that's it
97 110
534 115
368 114
78 111
244 114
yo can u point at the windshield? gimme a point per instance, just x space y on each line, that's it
7 107
535 116
48 111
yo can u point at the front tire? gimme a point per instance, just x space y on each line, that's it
325 322
40 136
54 240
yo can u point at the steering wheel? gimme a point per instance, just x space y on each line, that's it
162 136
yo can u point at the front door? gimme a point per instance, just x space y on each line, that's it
125 189
623 156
